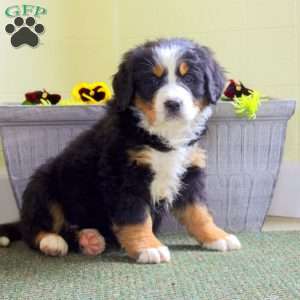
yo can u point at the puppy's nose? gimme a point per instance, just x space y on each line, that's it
173 105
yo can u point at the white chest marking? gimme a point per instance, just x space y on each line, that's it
168 167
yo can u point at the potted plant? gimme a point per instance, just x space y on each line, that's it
244 156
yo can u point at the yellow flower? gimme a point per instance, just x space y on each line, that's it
97 93
247 105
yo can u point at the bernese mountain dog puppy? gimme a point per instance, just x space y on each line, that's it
115 180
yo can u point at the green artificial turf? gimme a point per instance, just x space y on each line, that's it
268 267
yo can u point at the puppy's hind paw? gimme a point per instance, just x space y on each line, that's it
91 242
53 245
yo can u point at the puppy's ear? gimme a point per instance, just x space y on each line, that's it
215 78
213 74
123 83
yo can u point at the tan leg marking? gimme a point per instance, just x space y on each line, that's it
147 109
198 158
134 238
57 217
199 224
140 157
140 243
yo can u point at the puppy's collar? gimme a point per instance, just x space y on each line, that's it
157 143
161 144
197 138
139 135
192 142
164 146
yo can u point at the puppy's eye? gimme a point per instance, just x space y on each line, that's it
153 81
189 78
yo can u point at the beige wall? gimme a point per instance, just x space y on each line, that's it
257 41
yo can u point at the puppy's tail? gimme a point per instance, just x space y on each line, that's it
9 232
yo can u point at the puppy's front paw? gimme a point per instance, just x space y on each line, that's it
154 255
229 243
91 242
53 245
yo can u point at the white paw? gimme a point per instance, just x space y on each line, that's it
154 255
54 245
4 241
91 242
229 243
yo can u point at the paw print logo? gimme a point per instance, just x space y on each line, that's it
24 32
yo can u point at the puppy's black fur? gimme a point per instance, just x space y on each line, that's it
92 180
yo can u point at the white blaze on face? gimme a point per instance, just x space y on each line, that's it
168 57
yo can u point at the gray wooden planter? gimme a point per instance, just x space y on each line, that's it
243 156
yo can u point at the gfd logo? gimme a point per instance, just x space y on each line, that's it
25 30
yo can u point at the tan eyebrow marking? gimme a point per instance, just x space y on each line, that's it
158 70
183 68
